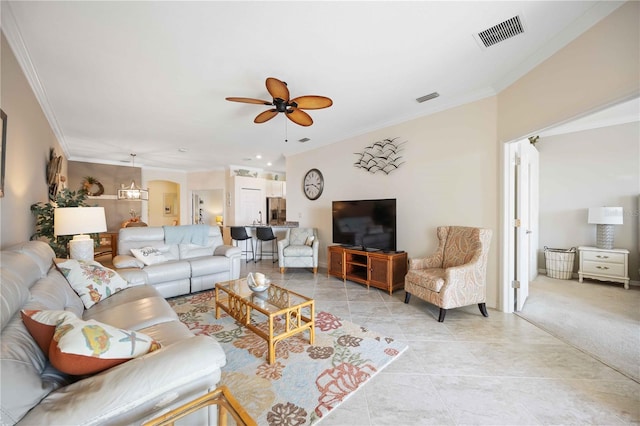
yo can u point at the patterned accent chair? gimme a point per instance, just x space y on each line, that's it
299 249
456 274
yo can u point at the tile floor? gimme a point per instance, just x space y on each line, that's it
500 370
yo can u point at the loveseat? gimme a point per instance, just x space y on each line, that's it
176 260
33 391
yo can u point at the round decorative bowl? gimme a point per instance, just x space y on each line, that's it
258 282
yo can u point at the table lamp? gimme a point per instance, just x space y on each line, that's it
79 222
605 218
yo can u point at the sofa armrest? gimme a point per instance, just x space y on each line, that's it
136 389
228 251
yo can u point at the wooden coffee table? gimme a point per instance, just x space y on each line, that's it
236 298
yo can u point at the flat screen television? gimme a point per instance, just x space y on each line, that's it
365 224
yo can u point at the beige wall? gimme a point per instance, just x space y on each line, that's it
449 178
590 168
111 177
599 68
29 138
164 194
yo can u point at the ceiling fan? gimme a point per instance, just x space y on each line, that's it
281 102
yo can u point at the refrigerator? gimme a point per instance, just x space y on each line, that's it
276 210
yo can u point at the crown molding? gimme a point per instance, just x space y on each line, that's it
16 42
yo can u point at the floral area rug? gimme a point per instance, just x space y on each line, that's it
306 381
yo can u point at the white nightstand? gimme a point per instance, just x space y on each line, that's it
604 265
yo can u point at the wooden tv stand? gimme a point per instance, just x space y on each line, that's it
378 269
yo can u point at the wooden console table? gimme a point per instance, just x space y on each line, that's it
378 269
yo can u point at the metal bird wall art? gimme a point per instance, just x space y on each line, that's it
382 156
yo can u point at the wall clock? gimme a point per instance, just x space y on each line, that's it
313 184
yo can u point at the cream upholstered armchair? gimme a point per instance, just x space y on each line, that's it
456 274
299 249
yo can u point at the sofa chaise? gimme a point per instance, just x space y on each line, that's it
35 392
176 260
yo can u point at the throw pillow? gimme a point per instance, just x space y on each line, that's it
148 255
86 347
309 240
91 281
42 325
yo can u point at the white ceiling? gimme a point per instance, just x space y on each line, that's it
149 78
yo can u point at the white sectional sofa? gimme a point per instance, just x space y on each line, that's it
183 265
34 392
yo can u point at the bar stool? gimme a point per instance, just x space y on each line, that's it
239 233
264 234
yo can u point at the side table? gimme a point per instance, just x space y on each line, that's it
604 265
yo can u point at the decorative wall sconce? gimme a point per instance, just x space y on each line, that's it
383 156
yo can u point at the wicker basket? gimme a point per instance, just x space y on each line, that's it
559 262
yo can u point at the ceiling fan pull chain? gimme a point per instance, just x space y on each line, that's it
286 134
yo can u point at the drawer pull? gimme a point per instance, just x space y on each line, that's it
602 267
602 257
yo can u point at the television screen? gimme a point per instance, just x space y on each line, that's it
365 224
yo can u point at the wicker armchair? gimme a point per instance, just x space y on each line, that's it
456 274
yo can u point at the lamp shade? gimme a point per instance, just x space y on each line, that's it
79 220
605 215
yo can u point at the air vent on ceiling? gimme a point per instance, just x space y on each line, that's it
500 32
427 97
303 140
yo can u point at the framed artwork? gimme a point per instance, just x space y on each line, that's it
3 152
170 200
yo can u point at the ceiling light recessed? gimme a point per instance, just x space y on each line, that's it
269 164
303 140
258 156
428 97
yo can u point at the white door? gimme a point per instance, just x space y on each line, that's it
525 219
251 206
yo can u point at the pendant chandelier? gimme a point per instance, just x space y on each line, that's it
133 191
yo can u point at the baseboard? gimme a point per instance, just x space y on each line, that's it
574 275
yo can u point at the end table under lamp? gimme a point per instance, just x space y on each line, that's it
605 218
79 221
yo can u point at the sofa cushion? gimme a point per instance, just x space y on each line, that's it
92 281
168 271
126 261
86 347
431 279
298 236
190 251
18 273
209 265
298 251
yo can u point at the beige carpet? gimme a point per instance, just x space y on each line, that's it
600 319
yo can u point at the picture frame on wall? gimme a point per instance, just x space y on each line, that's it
3 153
169 204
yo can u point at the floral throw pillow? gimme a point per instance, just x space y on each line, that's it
91 281
42 325
86 347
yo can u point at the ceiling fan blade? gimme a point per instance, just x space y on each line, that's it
265 116
312 102
250 101
277 89
299 117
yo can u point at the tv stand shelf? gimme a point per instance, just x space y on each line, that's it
378 269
